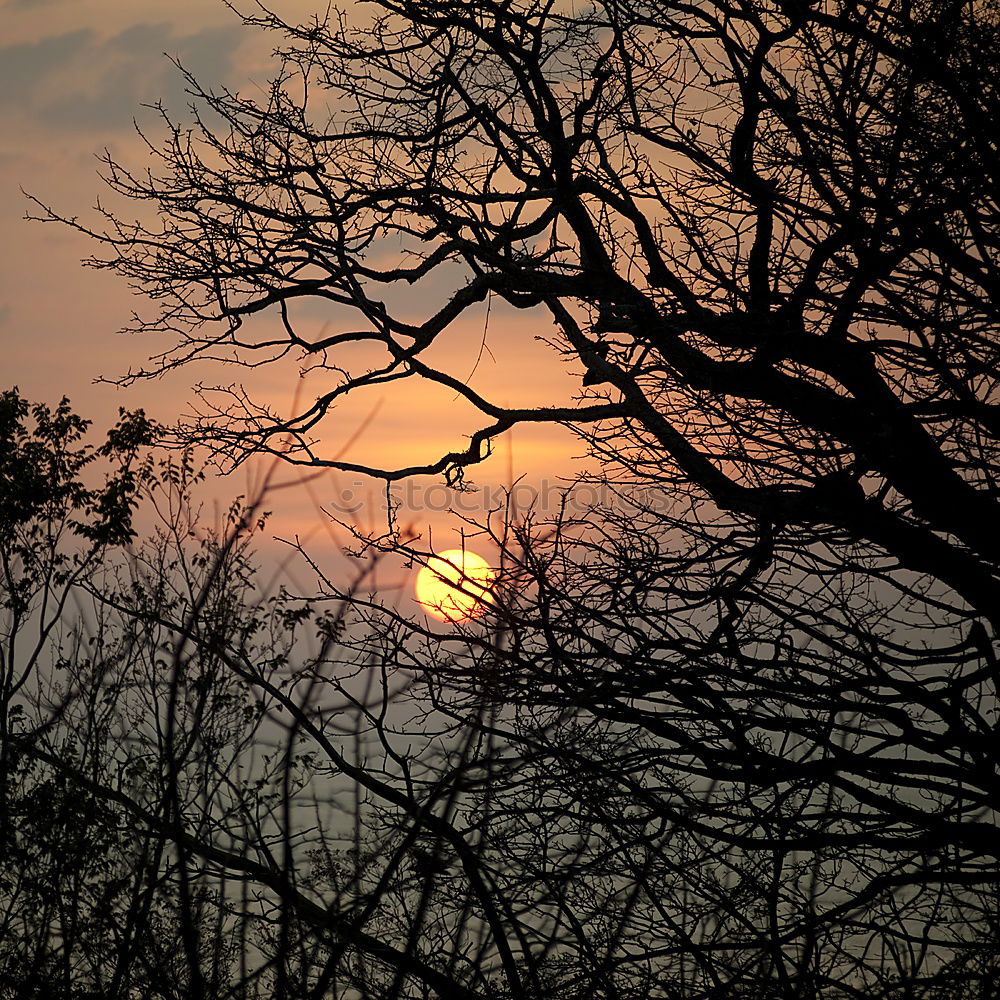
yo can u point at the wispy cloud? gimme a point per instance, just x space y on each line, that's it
26 67
78 80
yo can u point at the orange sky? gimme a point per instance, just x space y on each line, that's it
72 75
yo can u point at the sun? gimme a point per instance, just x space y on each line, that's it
454 585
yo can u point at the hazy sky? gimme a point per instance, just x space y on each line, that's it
73 73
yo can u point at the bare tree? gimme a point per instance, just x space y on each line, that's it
765 236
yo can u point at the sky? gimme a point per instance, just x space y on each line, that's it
73 75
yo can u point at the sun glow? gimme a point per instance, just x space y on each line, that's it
454 585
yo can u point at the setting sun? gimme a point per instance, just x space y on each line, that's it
454 585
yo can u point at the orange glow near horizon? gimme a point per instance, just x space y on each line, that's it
454 585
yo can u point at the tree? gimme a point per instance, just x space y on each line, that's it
60 519
46 506
765 235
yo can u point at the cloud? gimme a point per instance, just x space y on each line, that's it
78 81
137 71
26 67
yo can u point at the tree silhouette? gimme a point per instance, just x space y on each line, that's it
60 520
750 701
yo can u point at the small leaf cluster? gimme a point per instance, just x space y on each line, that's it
43 461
